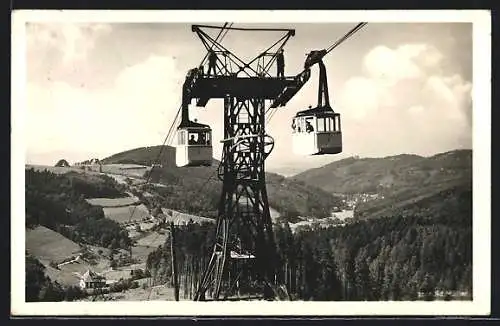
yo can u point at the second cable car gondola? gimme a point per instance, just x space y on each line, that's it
194 140
317 131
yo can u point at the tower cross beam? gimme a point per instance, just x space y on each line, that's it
210 43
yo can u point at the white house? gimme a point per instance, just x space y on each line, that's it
92 280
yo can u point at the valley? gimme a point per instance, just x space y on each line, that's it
66 261
143 210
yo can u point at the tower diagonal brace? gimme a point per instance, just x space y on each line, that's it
248 226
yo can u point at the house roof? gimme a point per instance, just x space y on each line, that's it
91 276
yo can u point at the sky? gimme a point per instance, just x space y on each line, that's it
97 89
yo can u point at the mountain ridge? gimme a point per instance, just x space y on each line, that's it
379 175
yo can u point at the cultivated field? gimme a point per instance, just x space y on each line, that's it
123 214
113 202
345 214
131 170
48 245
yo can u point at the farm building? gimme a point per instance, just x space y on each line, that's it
92 280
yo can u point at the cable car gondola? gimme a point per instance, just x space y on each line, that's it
194 145
317 131
194 140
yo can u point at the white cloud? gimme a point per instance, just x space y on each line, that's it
404 103
135 112
390 66
416 110
73 41
424 55
367 94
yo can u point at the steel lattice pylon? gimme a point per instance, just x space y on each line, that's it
243 204
244 226
244 222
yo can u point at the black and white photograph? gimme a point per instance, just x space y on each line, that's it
251 162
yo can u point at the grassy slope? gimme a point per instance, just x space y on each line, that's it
143 156
124 214
48 245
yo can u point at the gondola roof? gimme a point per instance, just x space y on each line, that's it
194 125
320 111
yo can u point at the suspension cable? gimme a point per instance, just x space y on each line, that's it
345 37
170 132
271 111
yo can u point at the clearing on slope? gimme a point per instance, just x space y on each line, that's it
130 170
48 245
124 214
112 202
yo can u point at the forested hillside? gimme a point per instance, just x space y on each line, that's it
197 190
391 174
422 201
58 203
402 257
412 243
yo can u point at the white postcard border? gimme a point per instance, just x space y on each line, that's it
480 305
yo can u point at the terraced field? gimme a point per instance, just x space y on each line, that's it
132 170
123 214
113 202
48 245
